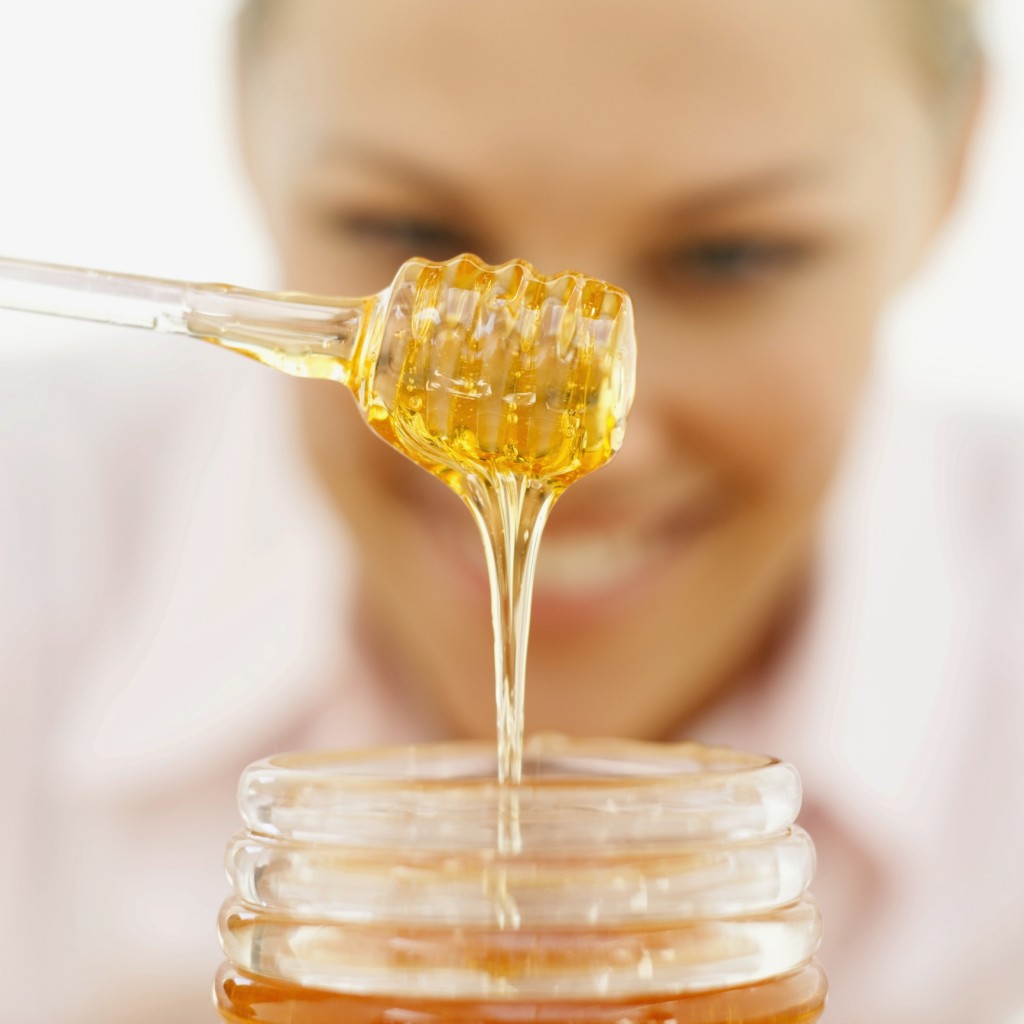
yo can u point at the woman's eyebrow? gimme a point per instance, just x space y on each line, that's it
764 183
375 160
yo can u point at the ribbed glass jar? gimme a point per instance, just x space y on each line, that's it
621 881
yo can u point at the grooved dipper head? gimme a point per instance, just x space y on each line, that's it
500 369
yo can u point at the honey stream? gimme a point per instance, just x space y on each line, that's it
506 385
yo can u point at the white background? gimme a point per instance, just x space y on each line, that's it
116 151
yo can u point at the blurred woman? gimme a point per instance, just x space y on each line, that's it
785 556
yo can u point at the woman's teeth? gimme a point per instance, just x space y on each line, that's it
581 565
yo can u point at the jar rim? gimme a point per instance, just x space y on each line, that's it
629 762
574 793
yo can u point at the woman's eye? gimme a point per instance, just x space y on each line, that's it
409 236
732 261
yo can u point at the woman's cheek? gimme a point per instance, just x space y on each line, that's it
794 398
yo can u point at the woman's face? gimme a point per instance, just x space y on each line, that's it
758 176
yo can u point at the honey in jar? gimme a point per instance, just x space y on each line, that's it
648 882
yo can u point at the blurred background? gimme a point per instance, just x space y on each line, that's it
118 151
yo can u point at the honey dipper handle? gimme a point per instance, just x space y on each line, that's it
94 295
304 336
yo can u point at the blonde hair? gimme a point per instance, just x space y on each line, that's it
944 36
252 28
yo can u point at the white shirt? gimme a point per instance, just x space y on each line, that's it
171 609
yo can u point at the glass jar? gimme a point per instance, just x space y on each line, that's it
620 882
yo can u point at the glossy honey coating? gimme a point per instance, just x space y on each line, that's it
501 370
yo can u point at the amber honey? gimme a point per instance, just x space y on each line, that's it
797 998
510 387
505 373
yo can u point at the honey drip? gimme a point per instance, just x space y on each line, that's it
506 385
